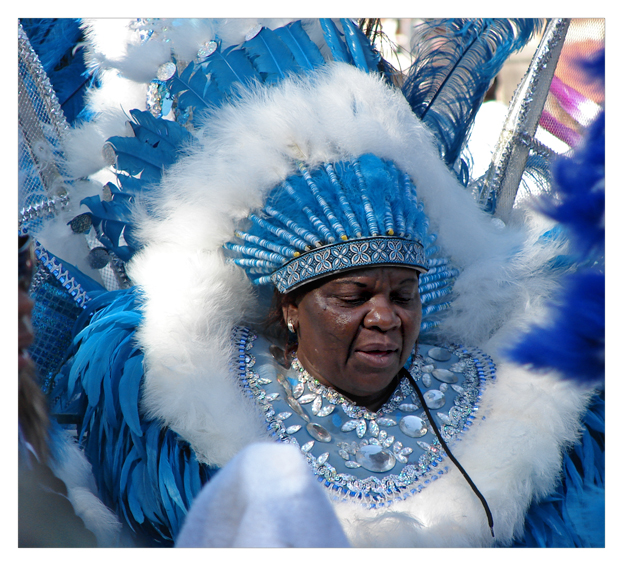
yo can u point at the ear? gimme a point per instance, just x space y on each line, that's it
290 312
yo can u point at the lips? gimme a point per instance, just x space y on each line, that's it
377 355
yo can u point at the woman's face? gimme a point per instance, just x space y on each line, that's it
358 329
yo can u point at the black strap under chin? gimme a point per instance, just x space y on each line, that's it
405 373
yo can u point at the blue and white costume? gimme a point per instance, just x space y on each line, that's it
175 375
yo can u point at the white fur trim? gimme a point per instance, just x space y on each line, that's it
70 465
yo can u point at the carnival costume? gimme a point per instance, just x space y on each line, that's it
288 155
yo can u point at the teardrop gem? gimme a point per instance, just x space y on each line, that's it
318 432
307 398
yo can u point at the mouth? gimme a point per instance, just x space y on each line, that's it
378 355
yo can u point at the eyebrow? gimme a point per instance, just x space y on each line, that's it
360 284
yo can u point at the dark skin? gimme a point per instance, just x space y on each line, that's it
356 330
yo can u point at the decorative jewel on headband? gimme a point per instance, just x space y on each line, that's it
337 217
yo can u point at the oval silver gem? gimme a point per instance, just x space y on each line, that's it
322 458
361 427
413 426
445 419
351 464
375 459
207 49
166 71
316 405
293 429
298 390
307 398
285 415
318 432
349 425
408 407
253 32
434 399
427 379
374 429
326 410
386 421
440 354
307 446
445 376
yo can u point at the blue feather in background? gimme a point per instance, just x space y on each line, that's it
574 344
455 61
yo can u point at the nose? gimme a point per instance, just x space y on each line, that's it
382 315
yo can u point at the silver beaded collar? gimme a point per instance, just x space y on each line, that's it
372 457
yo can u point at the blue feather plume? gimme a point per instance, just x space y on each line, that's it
364 56
148 475
270 56
304 50
574 343
455 62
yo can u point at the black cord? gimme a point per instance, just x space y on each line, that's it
406 374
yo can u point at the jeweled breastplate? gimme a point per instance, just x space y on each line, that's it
374 457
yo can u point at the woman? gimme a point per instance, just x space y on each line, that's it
327 187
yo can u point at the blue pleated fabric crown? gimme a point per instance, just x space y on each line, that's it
340 216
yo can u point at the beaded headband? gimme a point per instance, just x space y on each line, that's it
338 217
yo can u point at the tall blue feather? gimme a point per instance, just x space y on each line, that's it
270 56
230 67
364 57
303 49
455 62
334 41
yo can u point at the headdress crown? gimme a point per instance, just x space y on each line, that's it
336 217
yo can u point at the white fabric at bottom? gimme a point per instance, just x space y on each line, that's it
265 497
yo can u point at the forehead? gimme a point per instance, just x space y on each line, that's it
374 276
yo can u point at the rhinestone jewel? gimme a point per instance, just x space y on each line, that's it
349 425
298 390
322 458
166 71
427 379
445 376
434 399
307 446
326 410
386 421
351 464
408 408
318 432
316 405
375 459
294 405
293 429
360 429
307 398
413 426
253 32
440 354
207 49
